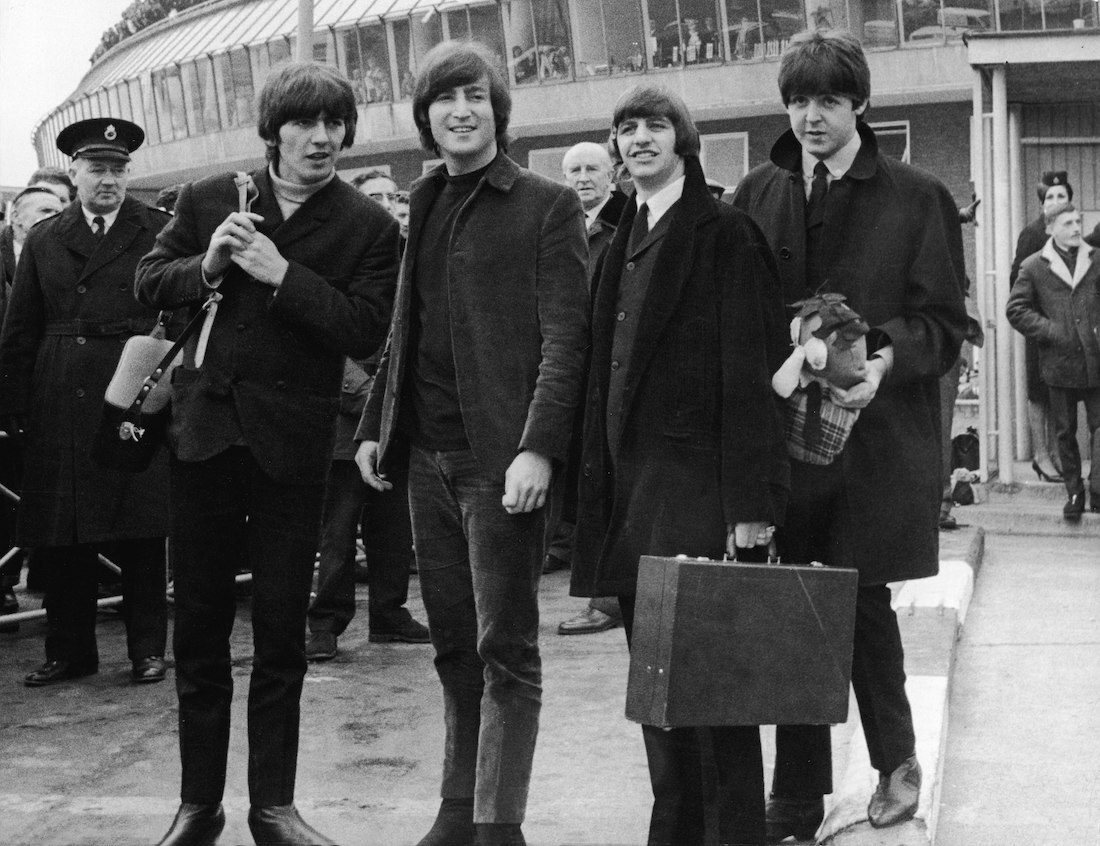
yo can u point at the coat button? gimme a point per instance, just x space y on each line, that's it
240 327
621 316
82 289
79 392
281 385
80 339
630 265
123 286
785 253
614 365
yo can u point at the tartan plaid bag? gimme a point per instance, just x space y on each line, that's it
816 429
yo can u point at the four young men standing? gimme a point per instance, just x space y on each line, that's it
475 398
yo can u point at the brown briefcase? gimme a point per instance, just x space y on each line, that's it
723 643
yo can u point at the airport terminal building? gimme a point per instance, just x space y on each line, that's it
985 96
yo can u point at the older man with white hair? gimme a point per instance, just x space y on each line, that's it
588 170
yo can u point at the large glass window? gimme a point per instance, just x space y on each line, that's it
241 70
368 65
485 27
537 32
168 91
874 22
426 30
278 51
683 32
406 58
925 21
607 37
149 109
751 37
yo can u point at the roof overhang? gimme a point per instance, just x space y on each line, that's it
1041 66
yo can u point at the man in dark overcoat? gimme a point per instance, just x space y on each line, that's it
841 217
71 307
480 378
683 448
1056 302
307 272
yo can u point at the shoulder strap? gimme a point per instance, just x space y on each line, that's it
189 330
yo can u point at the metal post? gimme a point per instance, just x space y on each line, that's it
1002 239
985 356
1018 384
305 30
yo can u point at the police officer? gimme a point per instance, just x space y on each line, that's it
72 307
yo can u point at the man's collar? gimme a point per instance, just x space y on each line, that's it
663 200
108 219
591 214
787 153
839 163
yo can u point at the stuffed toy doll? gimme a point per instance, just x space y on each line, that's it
830 351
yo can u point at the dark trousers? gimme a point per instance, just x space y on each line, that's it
228 514
1063 412
383 519
479 572
708 783
11 471
70 601
803 756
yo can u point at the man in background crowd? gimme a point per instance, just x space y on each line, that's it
588 170
1055 301
351 505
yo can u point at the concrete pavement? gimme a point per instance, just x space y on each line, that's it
94 762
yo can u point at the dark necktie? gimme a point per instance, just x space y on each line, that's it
815 205
97 228
640 228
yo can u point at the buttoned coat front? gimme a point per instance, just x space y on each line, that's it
519 325
72 307
1062 313
700 443
892 245
273 367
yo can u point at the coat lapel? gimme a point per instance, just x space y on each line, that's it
309 217
73 232
1058 267
671 269
119 237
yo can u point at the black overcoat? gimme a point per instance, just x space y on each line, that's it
275 361
892 245
72 307
701 447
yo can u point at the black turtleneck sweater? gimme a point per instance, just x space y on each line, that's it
436 419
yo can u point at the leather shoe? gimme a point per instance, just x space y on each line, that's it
282 825
589 621
53 672
453 826
552 563
195 825
799 818
405 631
1074 507
321 646
149 669
897 795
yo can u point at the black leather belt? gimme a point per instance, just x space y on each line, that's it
92 328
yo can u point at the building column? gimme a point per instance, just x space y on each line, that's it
1018 220
1002 240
